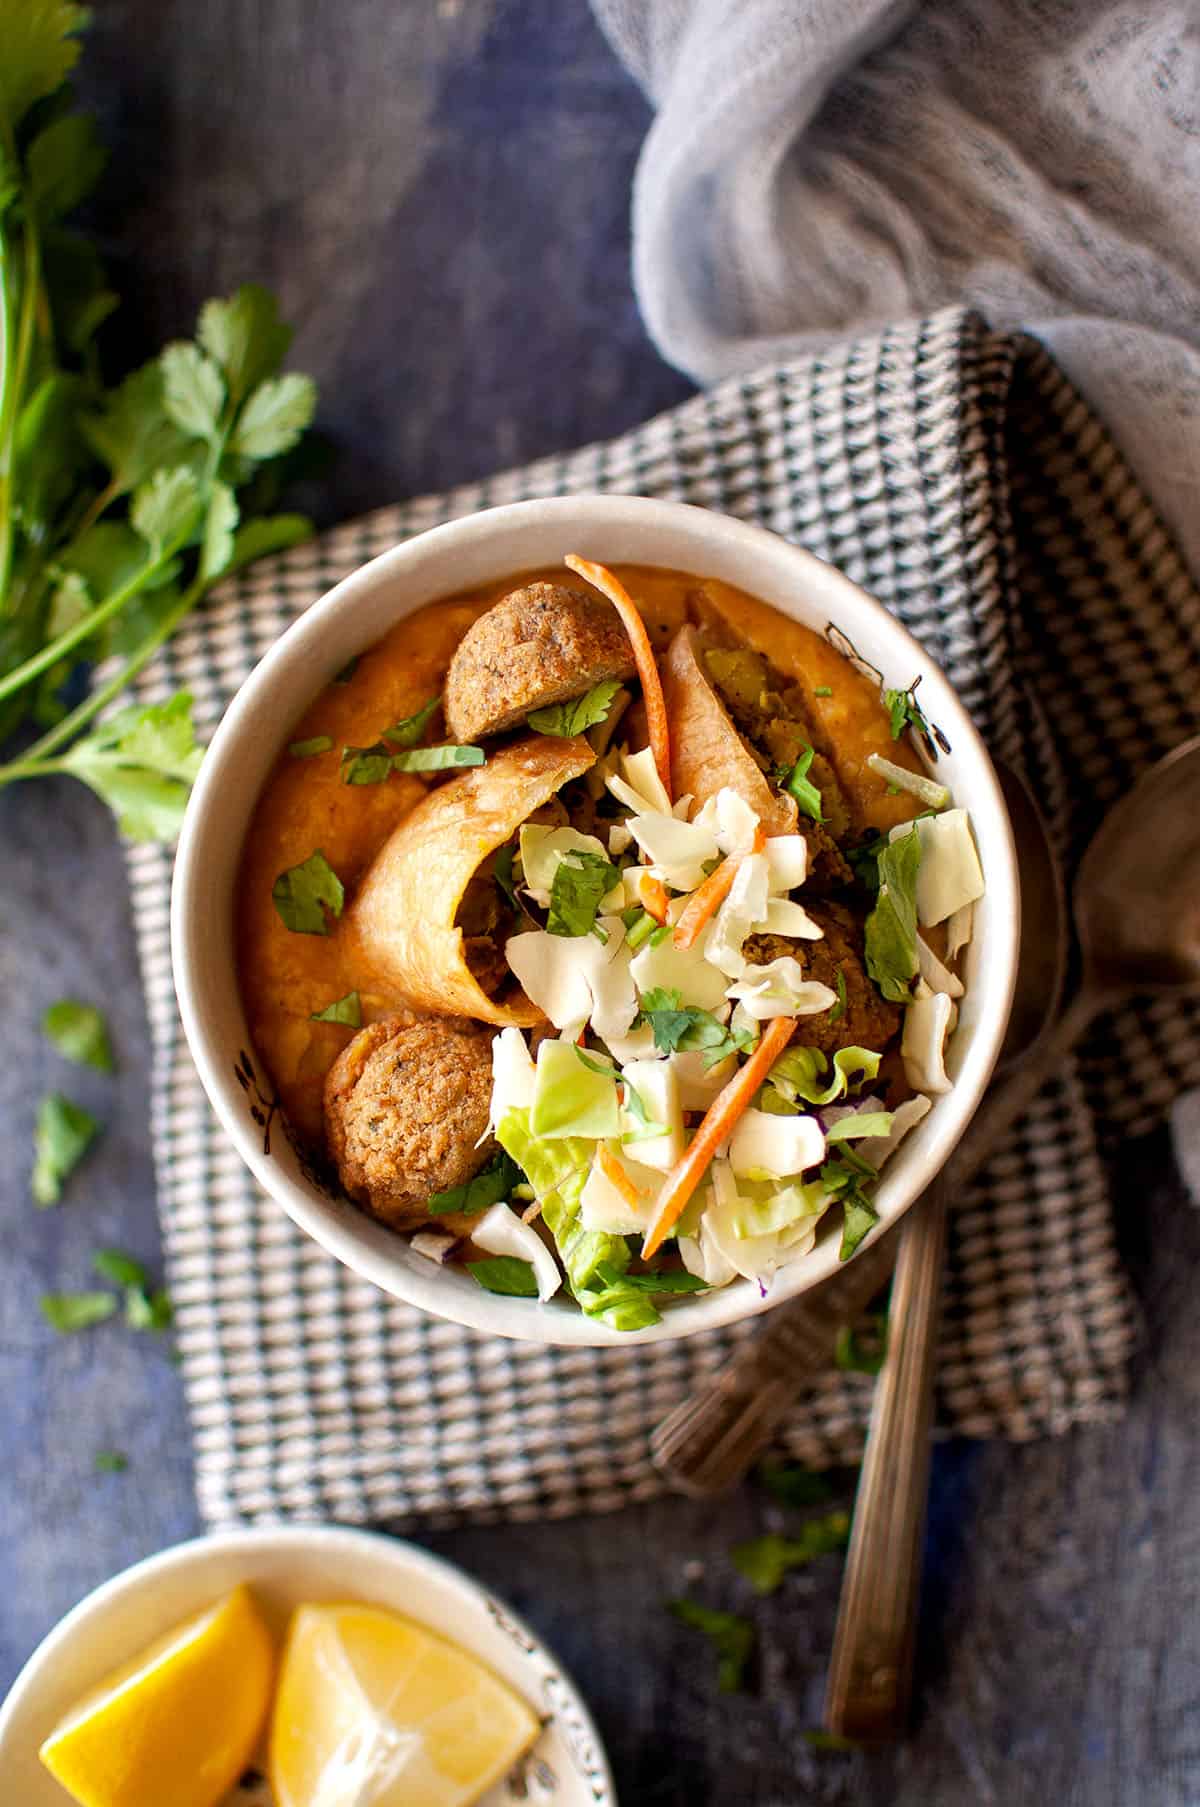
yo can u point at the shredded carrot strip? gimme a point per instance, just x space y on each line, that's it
643 657
613 1171
718 1121
652 894
707 898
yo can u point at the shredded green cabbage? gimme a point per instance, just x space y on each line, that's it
557 1170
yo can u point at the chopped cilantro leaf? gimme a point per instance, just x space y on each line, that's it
347 1011
62 1136
671 1281
366 765
823 690
491 1184
731 1637
308 749
838 1010
437 759
845 1178
684 1027
148 1310
793 1485
862 1347
66 1312
505 1274
78 1032
110 1461
566 719
408 732
581 882
303 894
801 787
121 1269
764 1561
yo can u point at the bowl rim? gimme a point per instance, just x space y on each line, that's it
353 1242
330 1540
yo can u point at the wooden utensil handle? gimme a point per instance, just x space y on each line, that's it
870 1678
707 1443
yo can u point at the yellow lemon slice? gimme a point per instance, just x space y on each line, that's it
374 1711
177 1723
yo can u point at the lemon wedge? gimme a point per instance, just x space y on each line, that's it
375 1711
177 1723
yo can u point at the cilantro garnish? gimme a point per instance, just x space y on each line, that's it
676 1025
437 759
505 1274
862 1348
146 1307
491 1184
67 1312
79 1033
407 733
347 1011
670 1281
731 1637
801 787
62 1135
303 894
838 1010
141 763
110 1461
845 1178
891 931
566 719
823 690
581 882
764 1561
793 1485
371 765
308 749
122 506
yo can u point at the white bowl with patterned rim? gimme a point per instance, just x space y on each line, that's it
358 611
285 1567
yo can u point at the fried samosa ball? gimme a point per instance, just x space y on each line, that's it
541 644
406 1104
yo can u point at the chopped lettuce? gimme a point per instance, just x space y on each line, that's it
573 1097
796 1073
891 935
855 1125
950 875
557 1171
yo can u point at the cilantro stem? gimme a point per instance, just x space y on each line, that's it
14 389
36 763
84 629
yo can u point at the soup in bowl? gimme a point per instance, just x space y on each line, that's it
622 929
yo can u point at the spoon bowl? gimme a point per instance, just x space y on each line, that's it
1137 894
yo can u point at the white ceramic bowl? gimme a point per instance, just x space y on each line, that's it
357 612
567 1767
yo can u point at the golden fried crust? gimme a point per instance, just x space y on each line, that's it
542 644
404 918
707 752
405 1104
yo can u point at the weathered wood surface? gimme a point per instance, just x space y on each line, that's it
440 194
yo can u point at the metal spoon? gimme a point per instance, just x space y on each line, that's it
1136 906
709 1442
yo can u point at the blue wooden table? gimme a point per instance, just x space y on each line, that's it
440 193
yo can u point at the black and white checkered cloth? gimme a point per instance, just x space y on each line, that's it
956 475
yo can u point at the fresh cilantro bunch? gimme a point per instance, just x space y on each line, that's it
120 506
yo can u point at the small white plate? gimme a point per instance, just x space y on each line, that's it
567 1767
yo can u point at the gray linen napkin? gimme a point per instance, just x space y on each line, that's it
957 475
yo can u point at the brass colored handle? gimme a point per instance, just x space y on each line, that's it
870 1677
705 1446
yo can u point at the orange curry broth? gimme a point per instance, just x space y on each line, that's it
285 977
